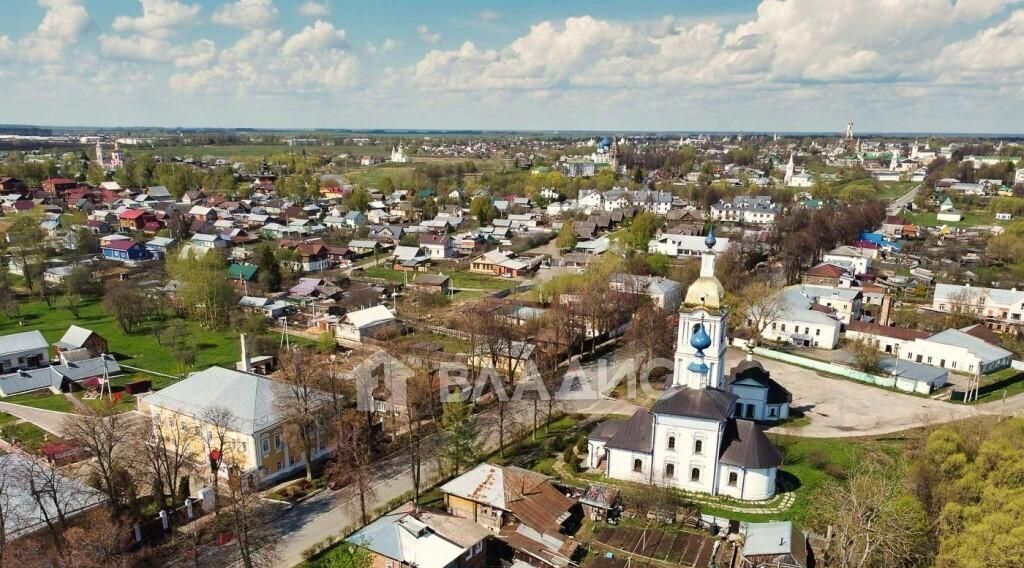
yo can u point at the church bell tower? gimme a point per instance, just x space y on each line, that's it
701 341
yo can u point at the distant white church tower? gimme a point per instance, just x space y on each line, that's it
398 154
701 341
849 130
790 170
894 164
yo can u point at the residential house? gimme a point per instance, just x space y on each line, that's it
432 283
437 246
248 411
752 209
374 322
26 350
134 219
364 247
202 213
1002 310
410 537
124 250
529 515
239 274
354 219
664 293
75 371
158 246
680 246
801 320
857 260
79 342
57 186
825 274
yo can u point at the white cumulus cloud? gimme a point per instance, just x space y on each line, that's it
246 14
160 18
314 9
63 25
426 35
318 36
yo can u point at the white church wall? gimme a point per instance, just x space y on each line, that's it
750 484
685 457
621 462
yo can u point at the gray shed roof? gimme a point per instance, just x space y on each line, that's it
25 341
74 337
23 514
53 376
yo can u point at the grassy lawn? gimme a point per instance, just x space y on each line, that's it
29 435
448 344
140 349
892 190
6 419
466 279
814 461
372 177
42 399
930 219
1010 381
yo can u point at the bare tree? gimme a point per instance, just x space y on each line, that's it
168 454
254 536
220 423
760 305
301 404
353 457
874 521
106 436
651 335
54 494
422 404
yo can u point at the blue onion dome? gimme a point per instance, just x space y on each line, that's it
700 340
709 241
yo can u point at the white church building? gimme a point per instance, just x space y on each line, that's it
692 439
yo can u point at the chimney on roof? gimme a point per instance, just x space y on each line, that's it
246 367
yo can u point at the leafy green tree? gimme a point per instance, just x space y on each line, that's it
482 208
269 269
460 435
642 230
359 200
566 236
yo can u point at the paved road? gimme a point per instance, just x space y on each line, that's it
331 512
896 204
49 420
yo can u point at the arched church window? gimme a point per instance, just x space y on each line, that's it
671 442
698 447
695 474
638 465
670 470
733 478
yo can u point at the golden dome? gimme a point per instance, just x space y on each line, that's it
706 291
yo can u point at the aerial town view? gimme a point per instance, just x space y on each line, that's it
480 284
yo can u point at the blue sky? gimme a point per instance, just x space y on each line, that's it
773 65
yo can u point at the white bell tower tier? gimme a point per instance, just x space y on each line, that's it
701 340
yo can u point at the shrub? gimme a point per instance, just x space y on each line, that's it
835 471
819 458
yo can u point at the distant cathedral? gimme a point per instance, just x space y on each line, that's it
398 154
700 435
113 162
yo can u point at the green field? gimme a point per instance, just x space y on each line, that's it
892 190
30 436
372 176
930 219
42 399
814 461
140 349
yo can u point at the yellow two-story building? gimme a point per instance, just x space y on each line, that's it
240 408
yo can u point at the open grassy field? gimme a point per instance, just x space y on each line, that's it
140 349
892 190
814 461
930 219
241 151
42 399
372 176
